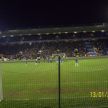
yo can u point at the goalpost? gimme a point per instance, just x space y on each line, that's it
1 87
62 55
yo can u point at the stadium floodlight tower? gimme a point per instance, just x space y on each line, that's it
1 87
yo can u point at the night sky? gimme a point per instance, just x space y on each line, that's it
31 14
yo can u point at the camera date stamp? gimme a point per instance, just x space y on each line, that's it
99 94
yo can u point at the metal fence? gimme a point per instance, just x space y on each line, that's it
59 84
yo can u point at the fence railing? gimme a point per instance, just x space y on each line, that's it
59 84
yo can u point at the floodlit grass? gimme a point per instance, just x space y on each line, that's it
35 85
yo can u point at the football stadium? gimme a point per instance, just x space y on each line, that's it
61 67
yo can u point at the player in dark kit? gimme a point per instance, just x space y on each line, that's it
76 61
38 57
76 56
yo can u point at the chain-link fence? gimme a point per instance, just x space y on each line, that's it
56 84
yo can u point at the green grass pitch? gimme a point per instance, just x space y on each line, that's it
35 85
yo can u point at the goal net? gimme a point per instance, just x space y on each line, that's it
63 55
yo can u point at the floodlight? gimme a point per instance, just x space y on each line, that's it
3 36
102 30
84 31
75 32
93 31
11 35
66 32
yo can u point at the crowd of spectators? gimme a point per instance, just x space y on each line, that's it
28 46
30 50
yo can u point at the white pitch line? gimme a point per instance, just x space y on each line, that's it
48 98
66 97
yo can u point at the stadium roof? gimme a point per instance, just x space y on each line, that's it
56 30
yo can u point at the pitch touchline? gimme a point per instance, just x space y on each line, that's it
39 83
48 98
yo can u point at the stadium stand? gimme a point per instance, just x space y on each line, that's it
26 45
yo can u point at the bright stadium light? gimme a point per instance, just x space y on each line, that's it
66 32
11 35
93 31
3 36
102 30
84 31
47 33
75 32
